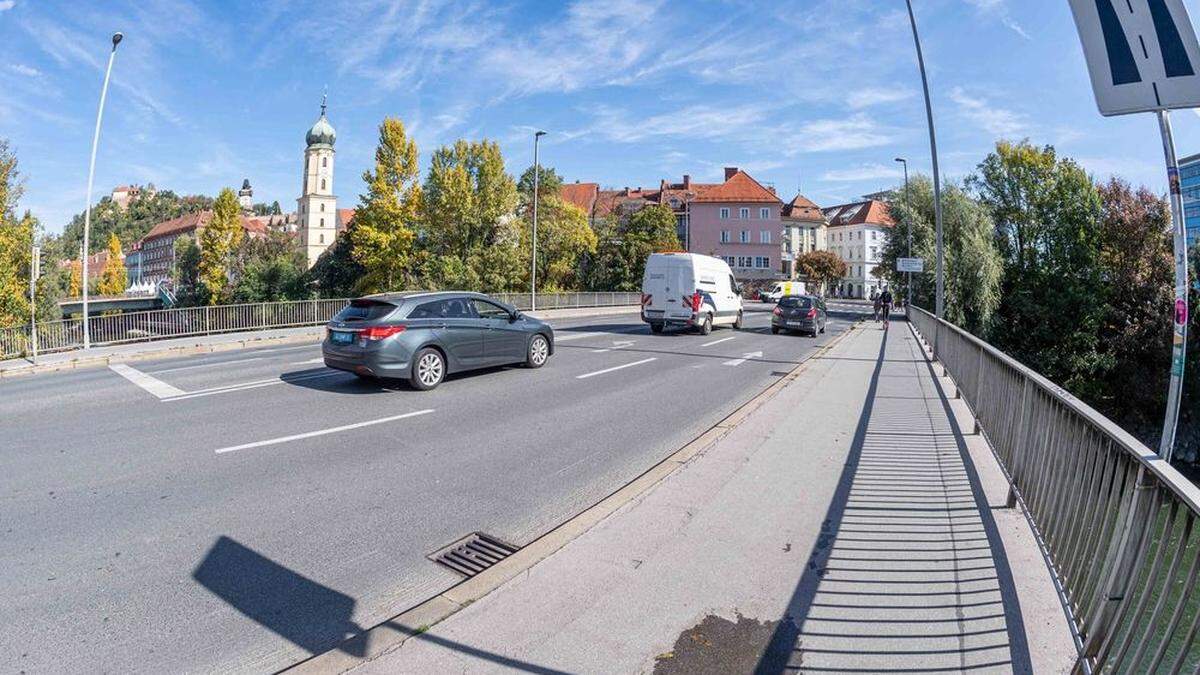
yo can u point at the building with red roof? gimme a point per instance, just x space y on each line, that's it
804 231
157 248
857 233
738 220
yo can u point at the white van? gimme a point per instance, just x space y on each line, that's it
688 289
782 288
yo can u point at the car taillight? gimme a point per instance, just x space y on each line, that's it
646 298
812 313
381 332
777 311
696 301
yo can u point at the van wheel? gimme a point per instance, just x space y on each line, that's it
737 323
656 328
706 325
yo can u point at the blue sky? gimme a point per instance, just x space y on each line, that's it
823 93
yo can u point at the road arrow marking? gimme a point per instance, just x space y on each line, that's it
745 357
617 344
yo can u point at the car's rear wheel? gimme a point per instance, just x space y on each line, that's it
428 369
539 351
706 325
656 328
774 330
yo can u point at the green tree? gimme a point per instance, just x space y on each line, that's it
16 243
564 237
549 182
821 268
218 242
113 276
270 269
972 263
382 236
1047 216
132 223
622 248
185 274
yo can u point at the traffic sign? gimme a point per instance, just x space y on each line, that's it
1142 54
910 265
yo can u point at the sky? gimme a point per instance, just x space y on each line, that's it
816 95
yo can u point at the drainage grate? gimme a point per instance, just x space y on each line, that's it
473 554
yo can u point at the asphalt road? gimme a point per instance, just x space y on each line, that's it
243 510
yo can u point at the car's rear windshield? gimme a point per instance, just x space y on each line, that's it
793 301
364 310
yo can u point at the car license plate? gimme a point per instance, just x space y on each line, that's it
338 337
795 323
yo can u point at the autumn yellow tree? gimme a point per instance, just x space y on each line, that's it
382 233
113 276
218 242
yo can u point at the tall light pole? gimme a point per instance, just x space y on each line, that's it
908 301
87 213
939 303
35 270
537 136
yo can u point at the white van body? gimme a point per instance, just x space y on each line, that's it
689 289
782 288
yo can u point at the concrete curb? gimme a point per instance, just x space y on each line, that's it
202 348
390 634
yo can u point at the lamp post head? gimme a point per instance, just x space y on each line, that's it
539 134
902 160
117 37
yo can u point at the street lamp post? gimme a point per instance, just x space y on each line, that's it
87 213
35 270
939 302
908 300
537 136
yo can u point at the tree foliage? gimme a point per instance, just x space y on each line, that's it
218 243
821 268
113 276
270 269
16 243
383 233
563 237
623 246
132 223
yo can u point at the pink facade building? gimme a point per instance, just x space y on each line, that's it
739 221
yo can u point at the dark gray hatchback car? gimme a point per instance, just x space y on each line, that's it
422 337
804 313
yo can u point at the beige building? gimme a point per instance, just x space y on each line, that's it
857 233
316 210
804 231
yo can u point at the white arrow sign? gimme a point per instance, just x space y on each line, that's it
745 357
617 344
1142 54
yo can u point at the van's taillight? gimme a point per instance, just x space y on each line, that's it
696 301
812 313
646 298
381 332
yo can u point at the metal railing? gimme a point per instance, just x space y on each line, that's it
1117 523
162 324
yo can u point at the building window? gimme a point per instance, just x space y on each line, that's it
744 213
764 236
762 262
322 222
322 183
724 213
322 206
322 237
764 213
324 162
725 236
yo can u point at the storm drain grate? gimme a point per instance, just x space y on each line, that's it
473 554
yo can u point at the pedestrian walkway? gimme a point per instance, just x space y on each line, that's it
847 525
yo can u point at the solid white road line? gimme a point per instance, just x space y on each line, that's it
321 432
745 357
153 385
609 370
717 342
206 365
559 337
248 385
319 359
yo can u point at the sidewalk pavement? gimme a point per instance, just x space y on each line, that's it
219 342
846 525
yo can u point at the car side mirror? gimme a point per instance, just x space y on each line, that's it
514 317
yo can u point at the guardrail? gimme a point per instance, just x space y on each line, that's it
161 324
1118 524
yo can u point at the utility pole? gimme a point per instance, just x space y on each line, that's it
908 301
940 300
537 136
35 271
1179 335
87 213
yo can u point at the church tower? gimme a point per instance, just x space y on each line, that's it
317 206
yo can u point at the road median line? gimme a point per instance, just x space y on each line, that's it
390 634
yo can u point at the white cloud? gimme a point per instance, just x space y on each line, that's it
6 5
22 69
999 10
865 98
994 120
700 121
862 172
853 133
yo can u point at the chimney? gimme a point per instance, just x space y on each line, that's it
730 171
687 182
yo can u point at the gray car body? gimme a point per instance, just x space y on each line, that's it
796 318
466 342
